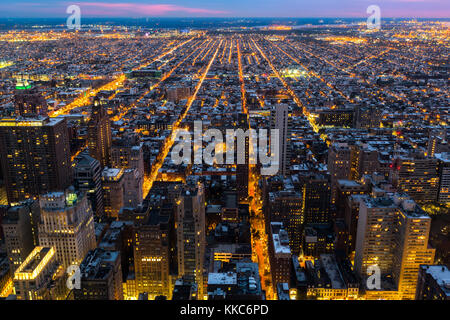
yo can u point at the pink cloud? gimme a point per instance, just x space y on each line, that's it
133 9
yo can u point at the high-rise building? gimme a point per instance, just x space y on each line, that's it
316 197
242 170
363 160
128 153
113 191
151 256
101 276
20 227
99 134
280 120
444 177
132 188
40 276
191 238
339 164
411 248
393 235
35 156
376 234
28 101
88 179
286 207
67 224
417 176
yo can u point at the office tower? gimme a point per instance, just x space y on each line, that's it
280 120
346 188
363 160
433 283
120 237
411 248
151 256
417 176
20 227
279 254
339 164
351 214
437 142
99 134
393 235
35 156
40 276
132 185
286 207
375 236
127 152
444 177
242 170
101 276
113 190
88 179
316 197
28 101
67 224
190 229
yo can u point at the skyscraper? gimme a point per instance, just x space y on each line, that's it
151 256
316 197
28 101
67 224
88 179
280 120
412 248
393 234
416 175
191 238
113 191
35 156
99 134
21 231
242 170
286 207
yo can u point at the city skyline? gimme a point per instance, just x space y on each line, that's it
224 158
234 8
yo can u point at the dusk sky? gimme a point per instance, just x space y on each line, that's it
227 8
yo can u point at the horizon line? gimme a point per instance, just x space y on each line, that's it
231 17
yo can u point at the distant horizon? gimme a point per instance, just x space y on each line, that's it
217 17
427 9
